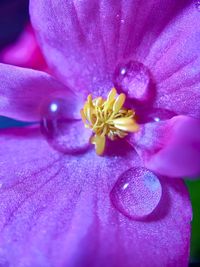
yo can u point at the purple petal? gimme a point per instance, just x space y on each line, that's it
170 147
24 92
84 41
56 211
174 61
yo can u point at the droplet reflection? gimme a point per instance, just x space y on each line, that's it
137 193
133 78
64 133
155 115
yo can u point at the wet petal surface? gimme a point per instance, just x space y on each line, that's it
52 201
24 93
137 193
170 147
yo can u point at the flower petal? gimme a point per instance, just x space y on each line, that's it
60 207
23 92
25 52
174 60
170 147
84 41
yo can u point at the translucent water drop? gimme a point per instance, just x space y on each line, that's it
157 119
64 133
137 193
155 115
134 79
161 114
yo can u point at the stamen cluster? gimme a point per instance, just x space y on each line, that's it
108 118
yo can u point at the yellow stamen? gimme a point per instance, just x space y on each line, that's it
119 102
126 124
108 118
99 142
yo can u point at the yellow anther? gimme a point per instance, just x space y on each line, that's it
126 124
119 102
99 142
108 118
111 95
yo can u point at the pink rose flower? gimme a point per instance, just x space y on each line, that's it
62 202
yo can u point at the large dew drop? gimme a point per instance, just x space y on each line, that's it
64 133
137 193
133 78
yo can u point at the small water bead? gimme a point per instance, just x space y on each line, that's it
137 193
64 133
134 79
118 17
54 107
155 115
161 114
156 119
53 112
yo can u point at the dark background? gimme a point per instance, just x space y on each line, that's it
13 16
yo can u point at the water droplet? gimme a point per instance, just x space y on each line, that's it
122 21
54 107
137 193
157 119
1 184
155 115
133 78
64 133
197 4
123 71
158 114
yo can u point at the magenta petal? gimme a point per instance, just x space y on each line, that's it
25 52
174 60
171 147
71 34
56 211
84 41
24 92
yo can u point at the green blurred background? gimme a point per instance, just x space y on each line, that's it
194 189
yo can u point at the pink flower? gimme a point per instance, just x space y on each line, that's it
25 52
61 203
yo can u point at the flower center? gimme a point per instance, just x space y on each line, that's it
108 118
